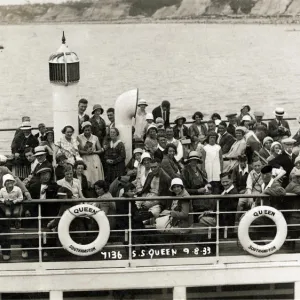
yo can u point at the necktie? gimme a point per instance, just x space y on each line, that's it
165 115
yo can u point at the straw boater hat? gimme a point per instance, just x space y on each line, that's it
142 102
176 181
149 116
97 106
193 155
39 150
26 126
8 177
178 118
279 112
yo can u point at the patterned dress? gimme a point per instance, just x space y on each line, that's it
70 149
94 171
116 152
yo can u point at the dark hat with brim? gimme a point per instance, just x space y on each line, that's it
178 118
266 169
97 106
43 170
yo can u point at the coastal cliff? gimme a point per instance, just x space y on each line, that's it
122 10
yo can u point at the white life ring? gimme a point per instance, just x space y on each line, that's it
249 217
78 211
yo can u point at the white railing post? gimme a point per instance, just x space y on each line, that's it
218 228
179 293
40 232
130 232
56 295
297 290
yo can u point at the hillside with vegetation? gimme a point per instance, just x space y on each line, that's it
139 10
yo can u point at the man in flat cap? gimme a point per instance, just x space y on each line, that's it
258 120
232 120
286 159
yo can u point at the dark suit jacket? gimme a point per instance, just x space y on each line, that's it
229 204
177 131
84 185
43 138
275 133
44 164
98 129
231 129
164 184
226 142
158 154
284 161
240 180
20 142
48 209
157 113
85 118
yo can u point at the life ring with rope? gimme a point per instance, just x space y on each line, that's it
273 246
83 210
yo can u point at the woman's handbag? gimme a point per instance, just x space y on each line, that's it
163 223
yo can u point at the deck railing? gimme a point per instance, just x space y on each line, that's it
129 246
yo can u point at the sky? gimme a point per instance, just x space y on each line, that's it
12 2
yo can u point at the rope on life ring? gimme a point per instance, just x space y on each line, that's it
249 217
79 211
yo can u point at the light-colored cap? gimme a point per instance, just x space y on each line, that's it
246 118
3 158
151 126
241 128
297 160
145 155
259 114
288 141
217 122
279 111
39 150
159 120
194 155
8 177
267 139
137 150
176 181
149 116
274 144
86 123
142 102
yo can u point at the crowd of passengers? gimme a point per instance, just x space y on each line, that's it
242 155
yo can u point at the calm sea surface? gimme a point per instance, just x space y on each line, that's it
211 68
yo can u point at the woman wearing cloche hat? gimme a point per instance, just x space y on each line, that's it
97 122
